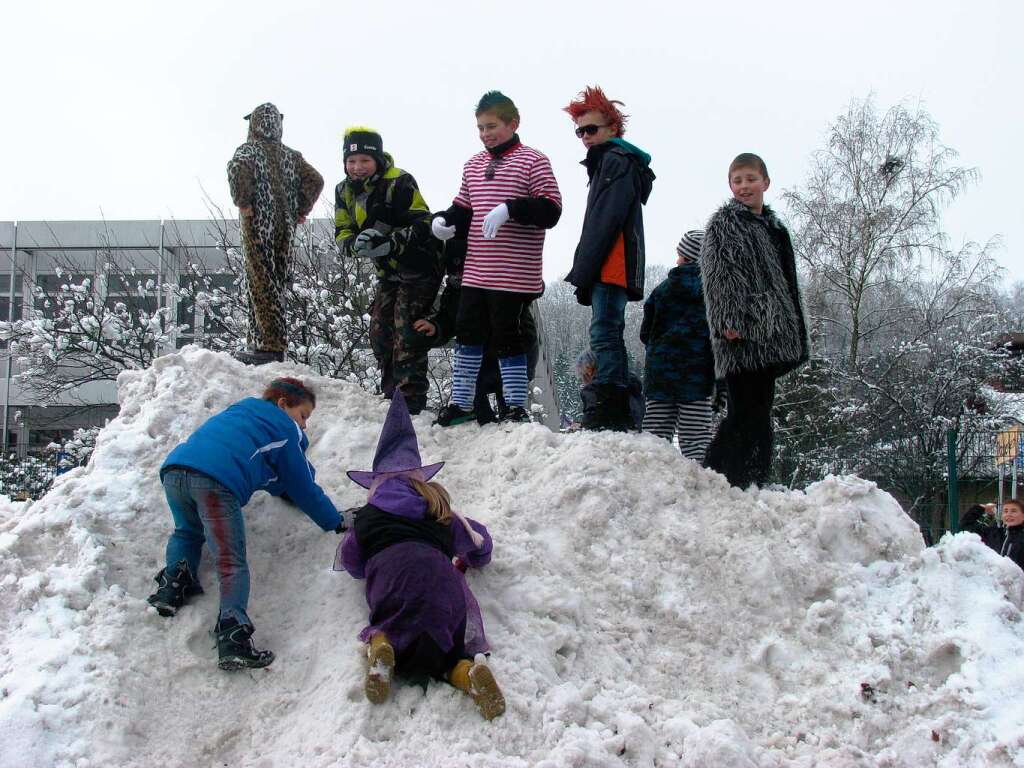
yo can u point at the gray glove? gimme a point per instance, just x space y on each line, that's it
371 244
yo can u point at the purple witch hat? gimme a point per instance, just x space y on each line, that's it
397 451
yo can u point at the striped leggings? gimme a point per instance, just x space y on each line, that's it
690 421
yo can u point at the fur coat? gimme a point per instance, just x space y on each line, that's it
749 273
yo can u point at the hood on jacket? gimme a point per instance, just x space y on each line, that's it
646 174
265 123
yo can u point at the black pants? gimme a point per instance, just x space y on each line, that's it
742 448
424 660
492 319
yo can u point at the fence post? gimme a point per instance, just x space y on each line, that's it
953 490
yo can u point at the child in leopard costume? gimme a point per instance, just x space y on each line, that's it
274 189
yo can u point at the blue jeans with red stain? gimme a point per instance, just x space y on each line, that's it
206 511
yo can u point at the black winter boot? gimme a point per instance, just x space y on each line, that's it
452 414
176 586
235 649
516 413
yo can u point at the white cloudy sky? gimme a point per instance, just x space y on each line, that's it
130 110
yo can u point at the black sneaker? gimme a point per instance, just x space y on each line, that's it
235 649
175 588
516 413
453 414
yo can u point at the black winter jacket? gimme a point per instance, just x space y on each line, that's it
749 273
679 367
620 183
1013 545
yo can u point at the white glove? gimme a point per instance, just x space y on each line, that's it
494 220
440 229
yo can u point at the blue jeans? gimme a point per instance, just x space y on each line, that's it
607 324
206 511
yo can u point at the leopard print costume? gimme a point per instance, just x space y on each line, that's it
276 188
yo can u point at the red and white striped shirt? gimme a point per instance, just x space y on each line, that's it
512 261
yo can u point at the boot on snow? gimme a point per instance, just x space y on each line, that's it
381 658
235 649
478 681
516 414
256 357
175 587
452 414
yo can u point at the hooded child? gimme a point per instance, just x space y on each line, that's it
275 189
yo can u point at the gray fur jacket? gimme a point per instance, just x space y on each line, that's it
749 273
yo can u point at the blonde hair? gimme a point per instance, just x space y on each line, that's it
439 503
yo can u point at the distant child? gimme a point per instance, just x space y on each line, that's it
274 189
586 368
413 548
680 371
608 266
508 197
439 328
254 445
379 214
755 317
1013 543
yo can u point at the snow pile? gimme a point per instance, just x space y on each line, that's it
642 613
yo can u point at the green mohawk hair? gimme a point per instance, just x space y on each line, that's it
498 103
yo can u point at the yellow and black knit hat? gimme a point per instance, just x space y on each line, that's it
360 140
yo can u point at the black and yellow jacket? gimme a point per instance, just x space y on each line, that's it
391 203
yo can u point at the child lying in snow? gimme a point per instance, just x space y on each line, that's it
424 621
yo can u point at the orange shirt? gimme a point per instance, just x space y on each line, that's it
613 272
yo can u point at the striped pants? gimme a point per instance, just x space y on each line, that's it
690 421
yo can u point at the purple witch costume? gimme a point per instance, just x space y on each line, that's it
417 597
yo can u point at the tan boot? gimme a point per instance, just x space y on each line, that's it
478 681
382 668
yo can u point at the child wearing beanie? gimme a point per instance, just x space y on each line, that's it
380 215
680 369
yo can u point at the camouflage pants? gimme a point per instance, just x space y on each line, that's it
267 266
400 350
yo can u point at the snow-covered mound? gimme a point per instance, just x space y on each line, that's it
642 613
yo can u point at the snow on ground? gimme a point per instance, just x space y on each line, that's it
641 612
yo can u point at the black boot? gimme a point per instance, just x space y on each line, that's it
235 649
484 412
452 414
516 413
176 586
258 356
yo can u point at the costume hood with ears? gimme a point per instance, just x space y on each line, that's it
265 122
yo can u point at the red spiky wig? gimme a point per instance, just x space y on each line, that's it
594 100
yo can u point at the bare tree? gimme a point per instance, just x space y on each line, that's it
867 219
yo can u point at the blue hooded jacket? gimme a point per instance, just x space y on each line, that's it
253 445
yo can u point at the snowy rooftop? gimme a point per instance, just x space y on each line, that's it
642 613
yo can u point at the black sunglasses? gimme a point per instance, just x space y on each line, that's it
589 130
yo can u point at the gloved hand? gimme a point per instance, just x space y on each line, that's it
341 527
494 220
371 244
440 229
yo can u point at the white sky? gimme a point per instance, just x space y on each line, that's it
128 110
